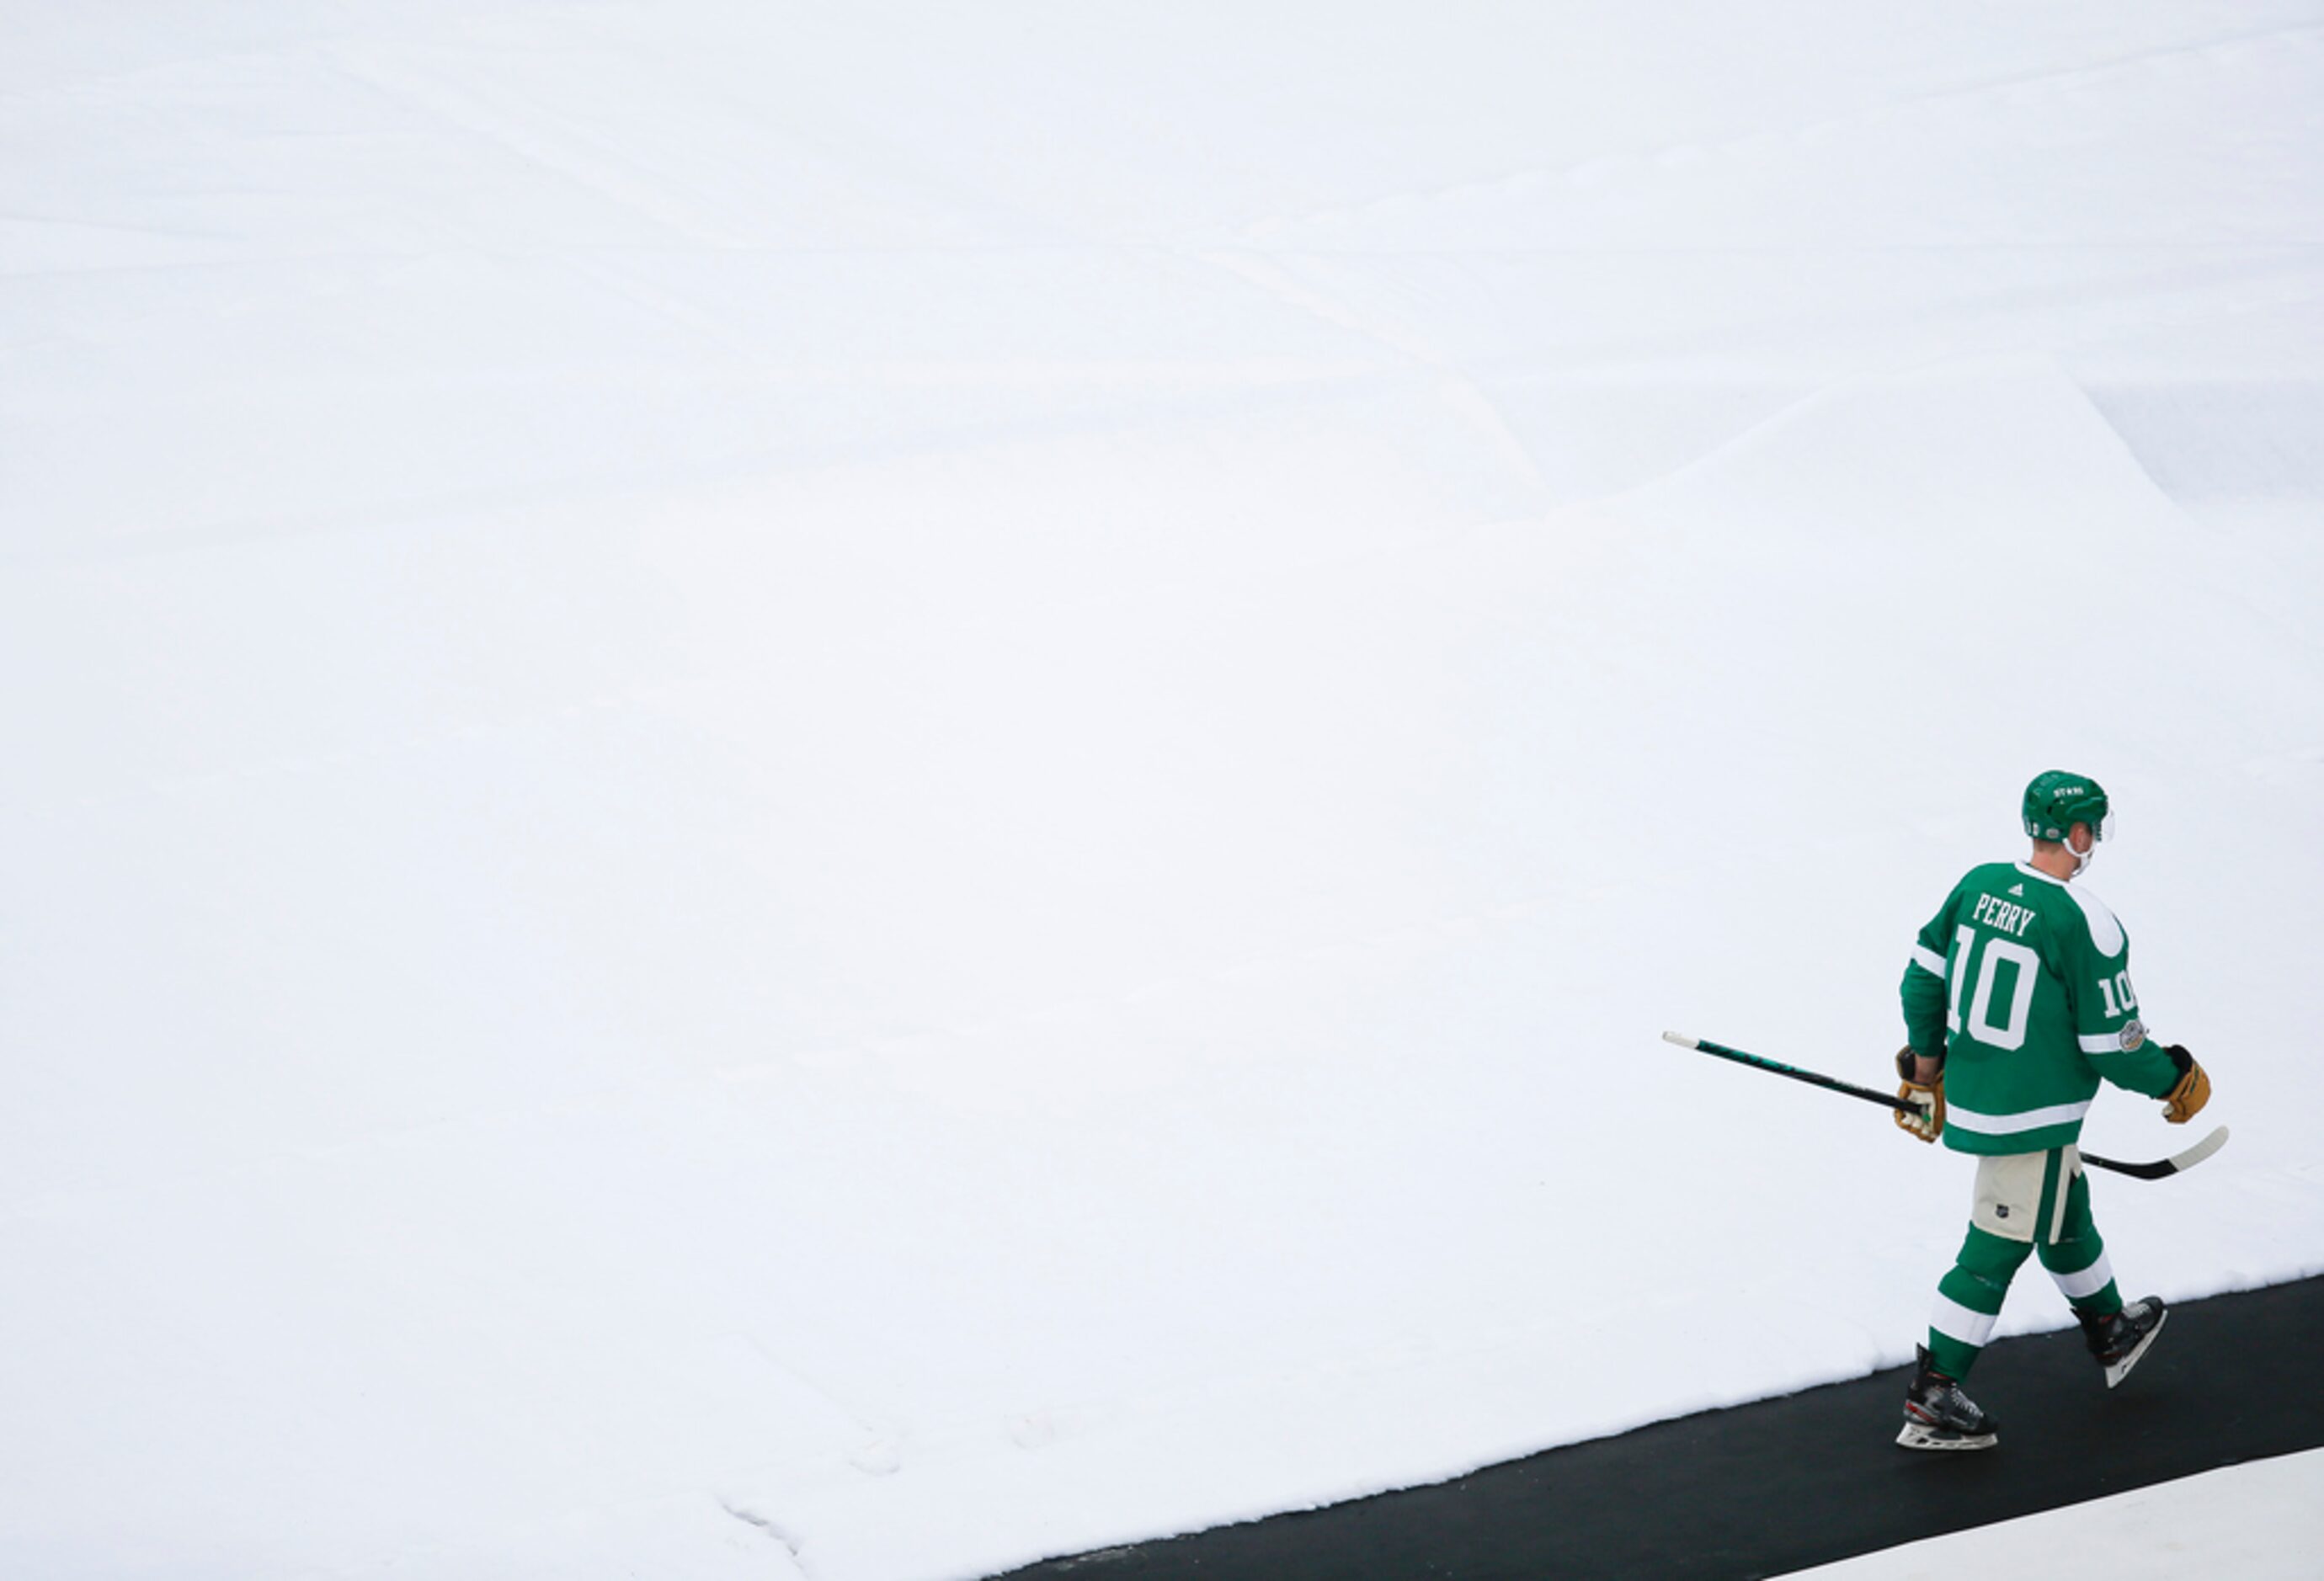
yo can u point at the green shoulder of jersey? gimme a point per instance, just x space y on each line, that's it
2023 982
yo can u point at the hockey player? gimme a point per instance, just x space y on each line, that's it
2017 1002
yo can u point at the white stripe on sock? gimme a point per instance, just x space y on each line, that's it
2088 1282
1955 1321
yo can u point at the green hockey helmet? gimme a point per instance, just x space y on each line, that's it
2056 801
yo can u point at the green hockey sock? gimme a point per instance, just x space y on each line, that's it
2078 1259
1969 1298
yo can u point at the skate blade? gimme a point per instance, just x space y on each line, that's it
1917 1437
2120 1370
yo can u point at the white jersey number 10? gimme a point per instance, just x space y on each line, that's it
1968 961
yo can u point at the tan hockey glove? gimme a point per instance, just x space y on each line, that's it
2184 1102
1929 1124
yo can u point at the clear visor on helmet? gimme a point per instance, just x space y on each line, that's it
2105 831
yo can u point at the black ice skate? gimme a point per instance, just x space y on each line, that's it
1939 1416
2119 1341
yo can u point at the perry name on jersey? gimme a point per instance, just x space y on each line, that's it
2023 982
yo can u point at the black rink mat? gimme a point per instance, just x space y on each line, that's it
1783 1485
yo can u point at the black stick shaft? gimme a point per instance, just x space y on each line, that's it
2145 1172
1886 1101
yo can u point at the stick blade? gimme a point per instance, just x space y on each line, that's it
1682 1040
2201 1151
2163 1168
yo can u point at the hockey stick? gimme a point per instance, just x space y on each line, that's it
2177 1164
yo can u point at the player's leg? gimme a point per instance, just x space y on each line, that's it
2071 1248
1969 1299
1938 1413
2117 1333
2002 1218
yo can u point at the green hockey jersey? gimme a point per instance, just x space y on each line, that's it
2025 983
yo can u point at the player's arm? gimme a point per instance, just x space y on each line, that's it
1921 1062
2114 1040
1922 991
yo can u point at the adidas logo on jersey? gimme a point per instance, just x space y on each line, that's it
2018 890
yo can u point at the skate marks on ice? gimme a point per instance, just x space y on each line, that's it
1806 1479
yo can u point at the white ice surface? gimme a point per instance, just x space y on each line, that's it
857 791
2259 1522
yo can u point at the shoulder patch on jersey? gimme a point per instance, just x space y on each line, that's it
2134 1035
2106 933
